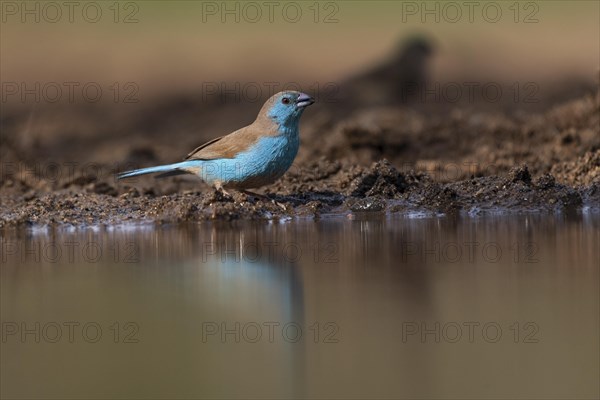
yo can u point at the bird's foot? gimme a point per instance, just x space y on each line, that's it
222 194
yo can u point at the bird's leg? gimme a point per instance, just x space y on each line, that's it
219 188
263 197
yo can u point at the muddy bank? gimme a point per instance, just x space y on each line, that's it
320 189
395 159
468 141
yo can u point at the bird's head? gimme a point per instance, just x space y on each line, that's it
285 108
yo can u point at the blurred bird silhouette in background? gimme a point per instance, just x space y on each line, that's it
394 81
366 113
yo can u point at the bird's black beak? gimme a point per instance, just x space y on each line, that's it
304 100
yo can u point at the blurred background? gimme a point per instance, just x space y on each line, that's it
176 46
144 82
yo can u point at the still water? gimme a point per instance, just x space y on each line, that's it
369 307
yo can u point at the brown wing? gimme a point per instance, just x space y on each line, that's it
227 146
197 149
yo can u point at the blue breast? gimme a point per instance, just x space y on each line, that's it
263 163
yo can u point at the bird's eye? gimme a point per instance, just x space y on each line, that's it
285 100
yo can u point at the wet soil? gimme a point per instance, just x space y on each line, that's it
403 158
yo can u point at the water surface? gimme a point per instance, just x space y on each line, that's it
368 307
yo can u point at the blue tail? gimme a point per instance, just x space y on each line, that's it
168 170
